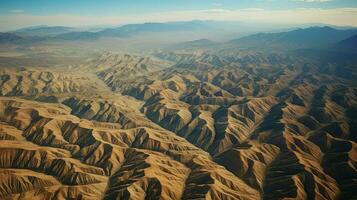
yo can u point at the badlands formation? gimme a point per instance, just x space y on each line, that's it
180 125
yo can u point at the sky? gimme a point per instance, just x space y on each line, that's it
22 13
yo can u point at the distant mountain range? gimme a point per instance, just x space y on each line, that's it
69 33
313 37
133 29
44 31
349 44
10 38
316 37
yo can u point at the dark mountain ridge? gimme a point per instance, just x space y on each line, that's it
313 37
347 45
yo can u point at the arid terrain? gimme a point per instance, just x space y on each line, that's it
193 122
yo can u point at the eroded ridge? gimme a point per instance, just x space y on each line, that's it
221 125
48 153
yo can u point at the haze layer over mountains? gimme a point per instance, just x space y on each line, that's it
179 110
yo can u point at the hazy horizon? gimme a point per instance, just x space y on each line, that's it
19 14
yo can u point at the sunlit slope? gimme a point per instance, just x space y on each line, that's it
203 125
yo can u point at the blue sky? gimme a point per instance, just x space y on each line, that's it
18 13
124 7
